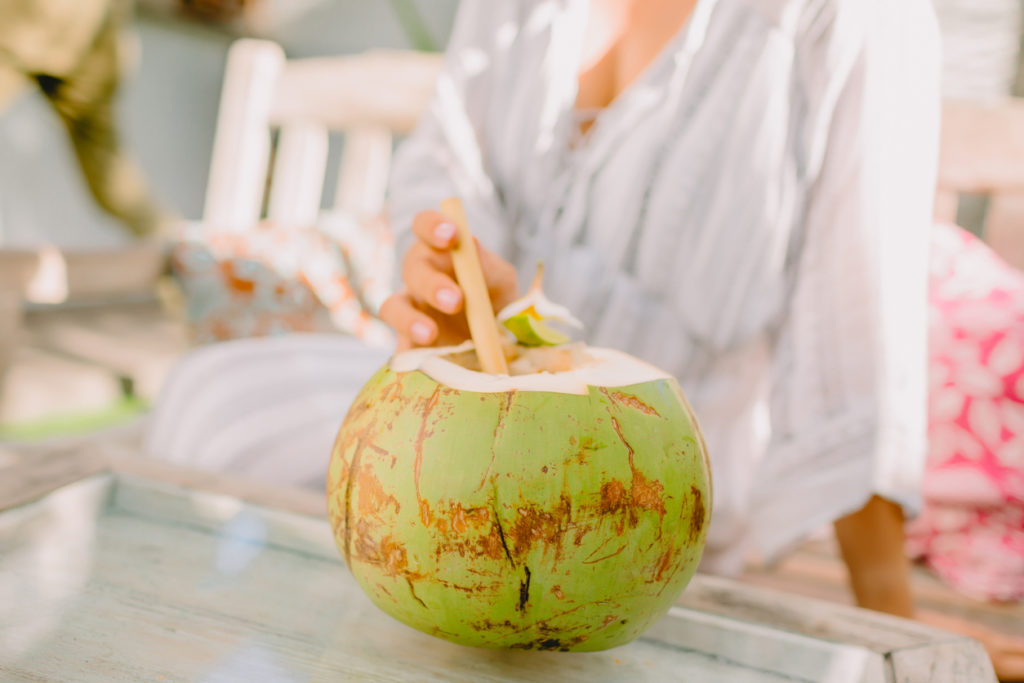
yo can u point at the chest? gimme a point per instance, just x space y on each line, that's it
621 39
699 122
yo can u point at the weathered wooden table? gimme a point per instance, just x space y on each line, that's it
115 568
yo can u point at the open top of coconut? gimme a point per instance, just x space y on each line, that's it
566 369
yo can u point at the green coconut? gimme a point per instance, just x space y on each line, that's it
562 507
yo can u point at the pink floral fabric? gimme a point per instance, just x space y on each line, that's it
971 531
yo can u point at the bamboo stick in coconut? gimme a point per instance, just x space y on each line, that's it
479 313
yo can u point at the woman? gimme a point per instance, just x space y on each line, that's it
739 192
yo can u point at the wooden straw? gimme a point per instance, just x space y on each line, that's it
479 313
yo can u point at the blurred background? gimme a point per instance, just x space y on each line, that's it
71 361
168 101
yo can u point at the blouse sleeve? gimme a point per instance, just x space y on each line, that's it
444 156
848 397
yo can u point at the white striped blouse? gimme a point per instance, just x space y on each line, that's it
751 214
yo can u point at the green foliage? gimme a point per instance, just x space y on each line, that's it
415 27
121 412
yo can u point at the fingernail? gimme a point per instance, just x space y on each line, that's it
448 299
420 333
444 231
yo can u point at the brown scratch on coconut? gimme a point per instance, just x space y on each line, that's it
461 519
665 560
387 554
613 497
501 537
590 559
393 391
372 498
358 408
340 479
643 492
494 587
491 546
507 628
347 534
629 449
647 494
550 644
462 532
533 525
587 445
412 592
418 463
581 530
498 428
452 526
630 401
426 517
697 518
347 436
385 455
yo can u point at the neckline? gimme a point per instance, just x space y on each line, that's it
687 39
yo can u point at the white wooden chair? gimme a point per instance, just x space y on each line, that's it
270 157
369 97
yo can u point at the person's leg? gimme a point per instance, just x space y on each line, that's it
871 544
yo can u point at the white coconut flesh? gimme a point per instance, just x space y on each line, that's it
567 369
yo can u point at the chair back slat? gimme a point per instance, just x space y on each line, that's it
369 97
363 176
241 149
379 87
298 176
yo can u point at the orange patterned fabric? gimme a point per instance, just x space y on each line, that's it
273 280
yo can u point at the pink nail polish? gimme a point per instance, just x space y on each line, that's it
448 299
444 231
420 333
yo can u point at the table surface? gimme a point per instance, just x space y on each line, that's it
124 569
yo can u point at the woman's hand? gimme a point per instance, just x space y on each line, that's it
429 310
